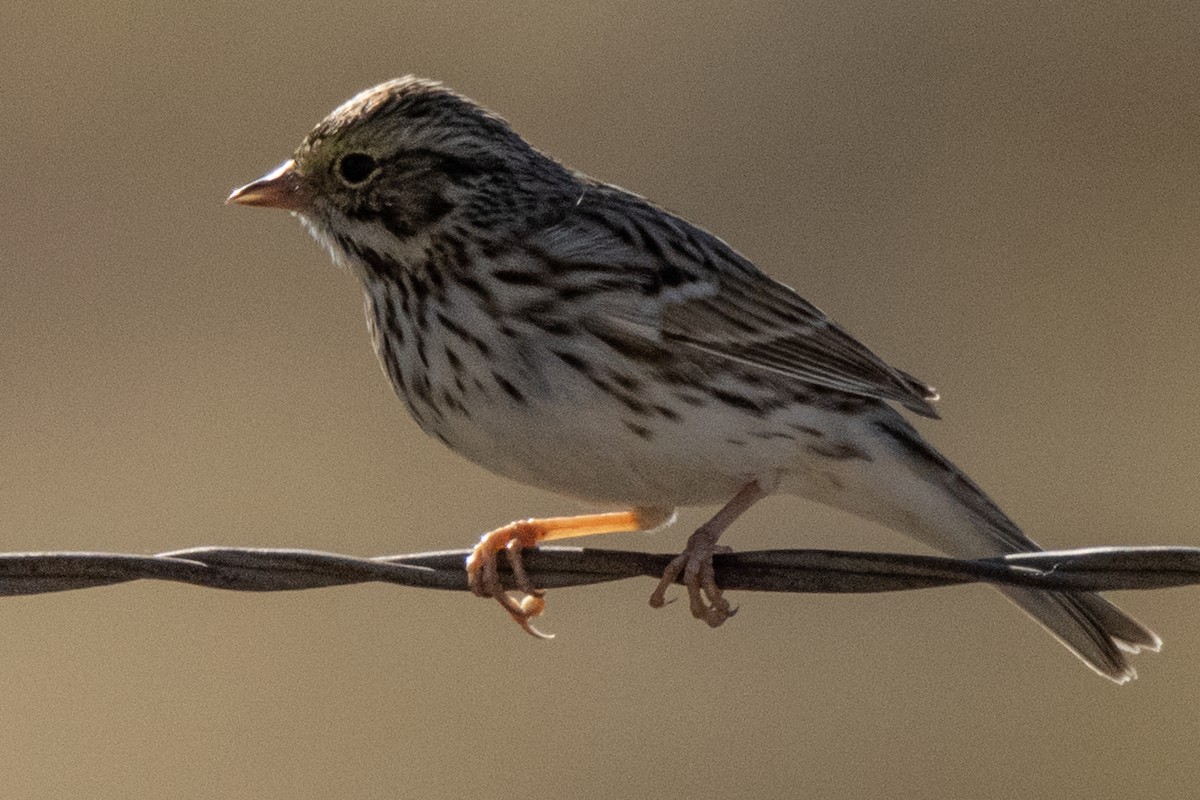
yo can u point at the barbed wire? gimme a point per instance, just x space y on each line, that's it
825 571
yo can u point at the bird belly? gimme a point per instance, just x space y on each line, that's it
654 449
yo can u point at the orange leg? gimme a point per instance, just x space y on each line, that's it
483 577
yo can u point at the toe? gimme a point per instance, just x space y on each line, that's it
658 598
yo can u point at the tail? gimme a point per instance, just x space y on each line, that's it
1101 634
912 488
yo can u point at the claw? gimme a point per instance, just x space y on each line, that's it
695 564
704 595
483 575
658 598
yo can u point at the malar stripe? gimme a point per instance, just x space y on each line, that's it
376 262
397 227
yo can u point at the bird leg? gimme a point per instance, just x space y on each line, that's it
696 566
483 575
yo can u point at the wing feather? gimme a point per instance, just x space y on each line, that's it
692 290
755 320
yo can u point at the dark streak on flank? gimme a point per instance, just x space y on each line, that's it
767 435
421 354
640 430
847 403
572 360
808 430
625 381
630 347
421 390
454 404
667 413
839 451
625 398
509 389
691 399
738 401
629 401
453 360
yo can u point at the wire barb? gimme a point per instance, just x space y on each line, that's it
250 569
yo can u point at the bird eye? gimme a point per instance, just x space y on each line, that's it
356 167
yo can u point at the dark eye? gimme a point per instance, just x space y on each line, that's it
356 167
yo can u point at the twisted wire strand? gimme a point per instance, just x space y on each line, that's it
251 569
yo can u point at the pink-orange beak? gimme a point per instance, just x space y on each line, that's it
279 188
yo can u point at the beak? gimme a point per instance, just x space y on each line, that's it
279 188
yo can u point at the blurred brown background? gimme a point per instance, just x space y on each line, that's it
1004 202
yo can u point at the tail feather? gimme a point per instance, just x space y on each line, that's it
927 497
1100 634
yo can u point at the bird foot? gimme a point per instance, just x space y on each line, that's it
483 574
695 566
